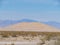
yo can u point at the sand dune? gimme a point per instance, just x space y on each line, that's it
31 26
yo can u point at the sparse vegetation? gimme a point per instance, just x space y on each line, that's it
30 36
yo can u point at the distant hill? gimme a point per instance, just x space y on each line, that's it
53 23
4 23
7 22
28 20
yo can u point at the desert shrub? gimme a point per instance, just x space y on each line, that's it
14 36
5 36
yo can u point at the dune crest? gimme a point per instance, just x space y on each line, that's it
31 26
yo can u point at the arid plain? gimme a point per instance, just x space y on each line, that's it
29 33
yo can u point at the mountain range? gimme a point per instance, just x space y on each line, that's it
53 23
4 23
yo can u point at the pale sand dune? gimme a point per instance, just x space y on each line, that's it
30 26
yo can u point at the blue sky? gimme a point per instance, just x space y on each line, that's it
41 10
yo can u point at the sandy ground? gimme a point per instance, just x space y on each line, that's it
19 43
26 40
51 42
